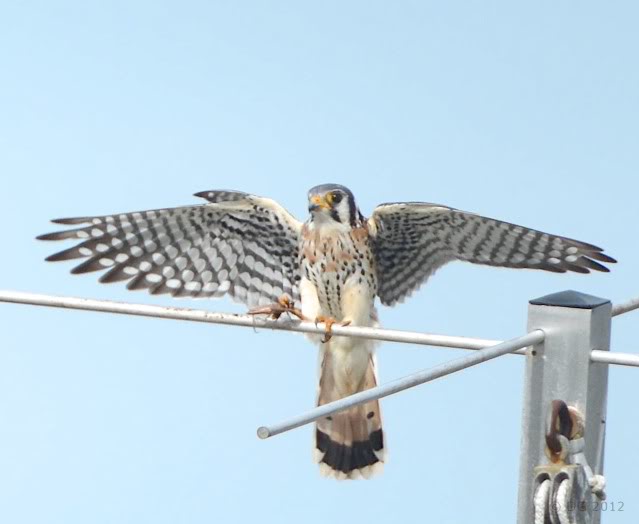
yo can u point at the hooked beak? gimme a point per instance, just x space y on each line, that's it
318 202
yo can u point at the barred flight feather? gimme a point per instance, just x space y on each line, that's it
237 244
412 240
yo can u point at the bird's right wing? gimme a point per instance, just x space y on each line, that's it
412 240
237 244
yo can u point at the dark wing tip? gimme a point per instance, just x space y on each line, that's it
57 257
602 257
575 268
48 236
203 194
59 235
71 221
591 264
216 196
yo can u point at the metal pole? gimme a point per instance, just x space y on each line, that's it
560 368
199 315
211 317
401 384
620 359
620 309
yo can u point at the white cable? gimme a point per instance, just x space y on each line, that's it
562 502
540 502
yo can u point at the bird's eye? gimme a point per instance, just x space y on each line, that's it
336 198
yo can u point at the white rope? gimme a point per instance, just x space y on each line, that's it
562 502
540 502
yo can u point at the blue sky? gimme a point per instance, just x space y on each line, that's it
523 112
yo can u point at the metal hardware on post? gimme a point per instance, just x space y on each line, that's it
560 367
568 500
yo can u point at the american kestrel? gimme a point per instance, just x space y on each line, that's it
334 265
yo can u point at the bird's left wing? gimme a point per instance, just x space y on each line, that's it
412 240
237 244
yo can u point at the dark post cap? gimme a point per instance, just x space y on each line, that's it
570 298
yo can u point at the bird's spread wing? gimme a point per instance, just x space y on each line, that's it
412 240
238 244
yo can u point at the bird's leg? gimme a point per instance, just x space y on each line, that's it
284 304
328 322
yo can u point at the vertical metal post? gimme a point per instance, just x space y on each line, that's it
560 368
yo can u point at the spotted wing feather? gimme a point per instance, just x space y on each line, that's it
237 244
412 240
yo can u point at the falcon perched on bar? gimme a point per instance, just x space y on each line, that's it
334 264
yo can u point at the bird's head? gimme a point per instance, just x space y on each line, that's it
332 203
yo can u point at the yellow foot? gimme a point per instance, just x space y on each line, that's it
284 304
328 322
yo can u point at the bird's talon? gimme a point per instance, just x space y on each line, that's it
329 322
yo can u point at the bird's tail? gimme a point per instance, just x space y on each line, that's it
348 444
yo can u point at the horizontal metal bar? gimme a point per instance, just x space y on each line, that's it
621 359
482 355
198 315
620 309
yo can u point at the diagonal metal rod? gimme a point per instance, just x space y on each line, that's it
534 337
625 307
199 315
